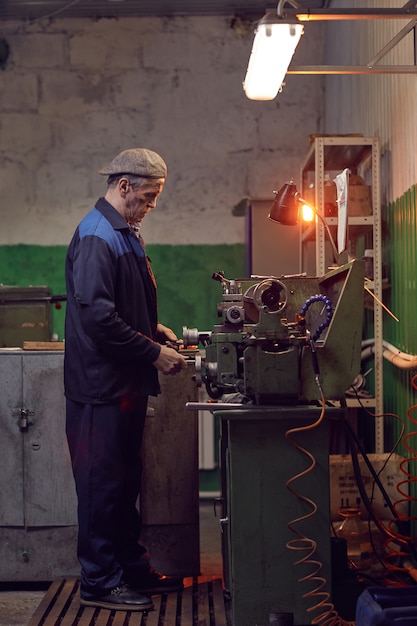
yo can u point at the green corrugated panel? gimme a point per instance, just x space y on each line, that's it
401 258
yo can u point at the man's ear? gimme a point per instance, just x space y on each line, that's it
124 186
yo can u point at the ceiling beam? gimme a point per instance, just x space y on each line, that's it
314 15
352 69
408 11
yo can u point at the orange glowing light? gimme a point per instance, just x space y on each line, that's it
307 213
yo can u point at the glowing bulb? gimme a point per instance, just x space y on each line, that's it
307 213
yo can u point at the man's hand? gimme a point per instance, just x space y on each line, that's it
170 361
163 333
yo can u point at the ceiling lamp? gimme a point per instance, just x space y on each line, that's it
276 38
278 33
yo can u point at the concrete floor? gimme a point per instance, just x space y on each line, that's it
18 605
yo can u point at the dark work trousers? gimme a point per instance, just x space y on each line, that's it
104 443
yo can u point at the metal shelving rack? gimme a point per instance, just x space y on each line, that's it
329 155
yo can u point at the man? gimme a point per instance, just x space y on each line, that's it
112 360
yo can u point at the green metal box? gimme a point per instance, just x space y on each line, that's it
25 315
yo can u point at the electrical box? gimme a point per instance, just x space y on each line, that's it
25 315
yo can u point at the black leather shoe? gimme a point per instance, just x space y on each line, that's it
121 598
154 582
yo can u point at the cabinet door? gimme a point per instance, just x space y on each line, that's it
11 492
169 497
49 492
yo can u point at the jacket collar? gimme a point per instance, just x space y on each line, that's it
110 213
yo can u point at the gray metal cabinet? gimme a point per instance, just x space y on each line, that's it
38 511
38 506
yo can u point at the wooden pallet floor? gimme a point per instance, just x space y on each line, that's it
201 603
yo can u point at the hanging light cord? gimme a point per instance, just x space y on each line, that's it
281 4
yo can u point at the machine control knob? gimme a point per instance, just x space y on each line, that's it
190 336
235 314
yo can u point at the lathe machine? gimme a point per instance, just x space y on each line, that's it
279 337
283 347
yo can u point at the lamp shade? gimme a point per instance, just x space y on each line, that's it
273 48
285 208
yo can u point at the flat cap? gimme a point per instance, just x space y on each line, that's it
138 162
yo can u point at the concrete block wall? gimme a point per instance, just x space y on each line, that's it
74 92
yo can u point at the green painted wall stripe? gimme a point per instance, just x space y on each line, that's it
187 294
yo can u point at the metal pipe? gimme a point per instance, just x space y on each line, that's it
281 4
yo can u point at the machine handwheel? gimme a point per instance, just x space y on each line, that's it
270 296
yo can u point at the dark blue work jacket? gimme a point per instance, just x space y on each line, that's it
111 312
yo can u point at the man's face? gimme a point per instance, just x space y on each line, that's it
140 200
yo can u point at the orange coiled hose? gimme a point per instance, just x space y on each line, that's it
319 596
